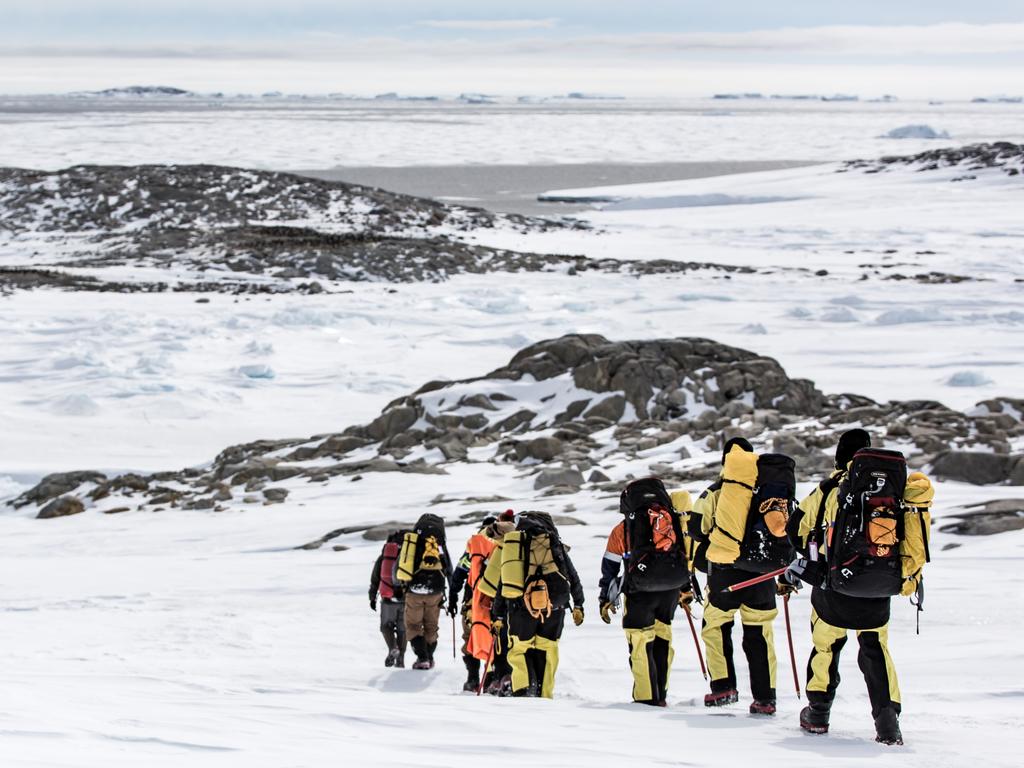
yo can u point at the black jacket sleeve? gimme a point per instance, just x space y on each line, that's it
375 576
609 572
575 586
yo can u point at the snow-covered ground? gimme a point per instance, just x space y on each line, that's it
198 638
187 638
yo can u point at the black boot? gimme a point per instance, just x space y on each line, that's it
389 638
887 727
419 647
431 647
814 717
472 673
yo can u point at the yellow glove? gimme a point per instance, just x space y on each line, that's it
606 609
496 626
919 491
577 615
685 598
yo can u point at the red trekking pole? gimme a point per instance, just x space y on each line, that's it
696 642
792 655
756 580
487 666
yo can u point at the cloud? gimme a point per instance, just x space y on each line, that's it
488 25
944 41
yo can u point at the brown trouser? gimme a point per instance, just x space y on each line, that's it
421 616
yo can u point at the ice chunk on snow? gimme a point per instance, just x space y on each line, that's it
755 329
915 132
907 315
258 371
838 315
76 405
968 379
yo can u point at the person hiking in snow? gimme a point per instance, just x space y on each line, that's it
742 518
477 642
533 581
392 600
424 569
862 537
649 543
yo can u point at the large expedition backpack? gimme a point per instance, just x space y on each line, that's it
765 545
422 548
531 565
389 556
655 558
863 543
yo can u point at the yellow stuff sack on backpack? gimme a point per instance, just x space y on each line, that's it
917 522
513 564
407 557
739 476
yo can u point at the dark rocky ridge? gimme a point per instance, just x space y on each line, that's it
233 226
566 410
1002 155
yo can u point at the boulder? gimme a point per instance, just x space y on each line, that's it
973 467
61 507
540 448
57 484
392 422
611 409
552 477
275 495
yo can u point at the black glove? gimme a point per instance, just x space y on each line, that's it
789 583
453 600
373 602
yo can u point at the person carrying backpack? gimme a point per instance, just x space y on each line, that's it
477 642
533 582
649 544
743 518
424 569
392 600
862 537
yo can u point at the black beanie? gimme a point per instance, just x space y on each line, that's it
850 442
741 442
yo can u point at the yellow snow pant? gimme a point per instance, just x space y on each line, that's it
873 659
533 651
647 621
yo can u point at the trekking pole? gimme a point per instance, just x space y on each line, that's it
453 637
792 654
696 642
487 666
756 580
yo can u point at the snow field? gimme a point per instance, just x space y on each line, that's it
205 638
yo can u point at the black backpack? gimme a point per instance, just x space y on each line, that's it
655 559
765 546
864 543
429 525
556 584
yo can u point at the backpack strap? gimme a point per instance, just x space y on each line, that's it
826 487
924 537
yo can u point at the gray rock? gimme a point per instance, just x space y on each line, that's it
453 449
275 495
57 484
392 422
540 448
611 408
61 507
972 467
564 477
790 444
597 476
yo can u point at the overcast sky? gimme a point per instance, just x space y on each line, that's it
943 48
